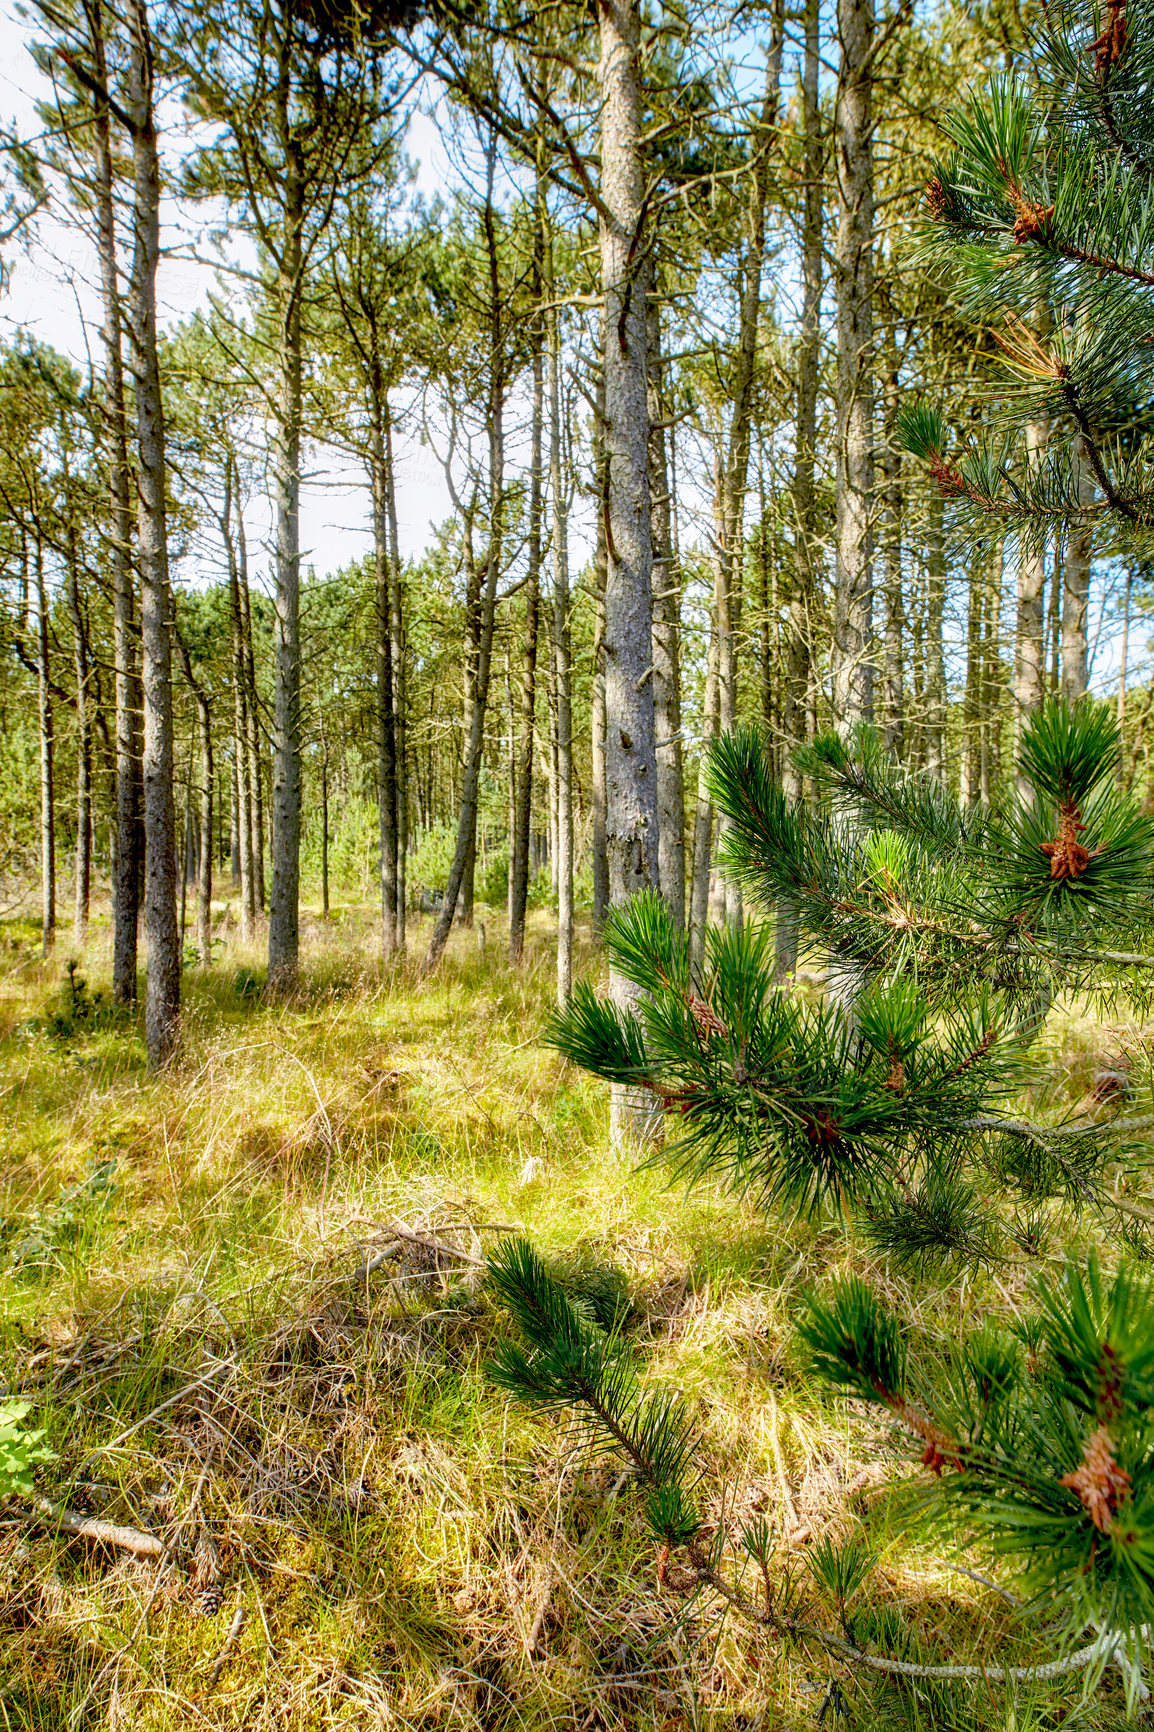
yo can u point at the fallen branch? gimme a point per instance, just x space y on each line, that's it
1108 1646
385 1255
538 1626
428 1243
230 1641
50 1515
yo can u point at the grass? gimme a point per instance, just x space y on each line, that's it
334 1479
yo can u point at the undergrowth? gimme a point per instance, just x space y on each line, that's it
208 1312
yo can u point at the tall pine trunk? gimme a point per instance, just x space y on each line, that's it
1076 590
893 684
600 860
666 646
162 996
464 853
630 746
47 762
803 577
1030 634
252 722
852 649
397 654
126 854
204 859
523 798
284 899
386 698
735 477
83 885
243 858
562 659
935 654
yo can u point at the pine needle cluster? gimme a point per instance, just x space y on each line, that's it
1041 216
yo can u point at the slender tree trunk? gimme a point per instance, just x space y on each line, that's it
162 997
562 660
204 863
465 850
971 707
126 878
397 651
83 743
935 648
47 763
386 701
1057 581
735 477
524 781
233 819
1030 645
770 649
1076 591
798 670
703 816
242 867
852 649
511 765
600 862
284 901
630 747
324 824
666 658
252 722
893 696
1125 657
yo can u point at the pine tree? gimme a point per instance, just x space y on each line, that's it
891 1105
1043 216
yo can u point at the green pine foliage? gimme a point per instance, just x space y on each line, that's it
569 1361
949 932
1041 1442
1042 218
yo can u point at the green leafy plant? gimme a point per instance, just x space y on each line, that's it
21 1451
34 1241
77 1010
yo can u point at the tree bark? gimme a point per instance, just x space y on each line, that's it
562 657
703 816
83 885
1030 635
630 746
600 860
797 670
1076 573
518 903
47 763
204 862
284 899
666 647
324 824
935 655
893 692
242 866
162 996
465 849
386 700
851 650
252 721
397 656
126 879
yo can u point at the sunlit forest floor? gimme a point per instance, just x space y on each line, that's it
357 1530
